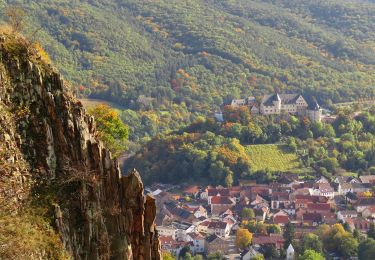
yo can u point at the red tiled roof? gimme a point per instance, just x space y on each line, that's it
192 189
166 240
215 192
319 206
221 200
219 225
271 239
281 219
315 217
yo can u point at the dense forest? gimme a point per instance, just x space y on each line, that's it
204 52
223 153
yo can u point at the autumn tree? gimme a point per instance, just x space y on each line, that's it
16 18
112 131
243 238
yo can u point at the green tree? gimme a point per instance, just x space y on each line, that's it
371 231
366 249
311 255
289 235
312 241
247 213
112 131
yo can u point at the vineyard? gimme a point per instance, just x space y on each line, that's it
272 157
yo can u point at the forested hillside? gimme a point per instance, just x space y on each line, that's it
204 52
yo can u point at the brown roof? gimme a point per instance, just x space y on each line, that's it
315 217
271 239
221 200
281 219
215 192
319 206
280 196
192 189
312 198
367 178
217 225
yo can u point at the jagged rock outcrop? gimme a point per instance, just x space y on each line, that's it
99 213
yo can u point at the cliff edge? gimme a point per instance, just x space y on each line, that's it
50 155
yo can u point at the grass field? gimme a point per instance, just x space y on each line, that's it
273 157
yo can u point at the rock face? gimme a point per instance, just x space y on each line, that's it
99 213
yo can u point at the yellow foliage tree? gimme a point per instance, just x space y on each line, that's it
243 238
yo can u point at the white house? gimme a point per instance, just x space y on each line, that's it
290 253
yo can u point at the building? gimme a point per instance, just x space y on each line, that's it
276 104
290 253
216 244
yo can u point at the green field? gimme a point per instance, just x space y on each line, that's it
273 157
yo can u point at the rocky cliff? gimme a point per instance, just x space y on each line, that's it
49 149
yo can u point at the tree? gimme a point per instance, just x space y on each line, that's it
257 257
247 213
289 235
311 255
168 256
215 256
366 249
185 252
371 231
112 131
16 17
243 238
312 241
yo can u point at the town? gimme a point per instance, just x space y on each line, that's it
206 220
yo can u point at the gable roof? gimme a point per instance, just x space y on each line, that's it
319 206
367 178
221 200
216 192
284 98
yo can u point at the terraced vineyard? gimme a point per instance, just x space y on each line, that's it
273 157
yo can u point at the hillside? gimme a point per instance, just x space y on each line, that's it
62 193
204 52
272 157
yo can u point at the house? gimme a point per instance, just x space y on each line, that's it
197 210
290 252
364 203
361 224
367 179
214 192
216 244
324 189
344 214
318 207
219 204
281 220
178 213
219 228
369 212
280 200
192 191
167 231
250 253
344 188
198 241
271 239
276 104
311 219
249 101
